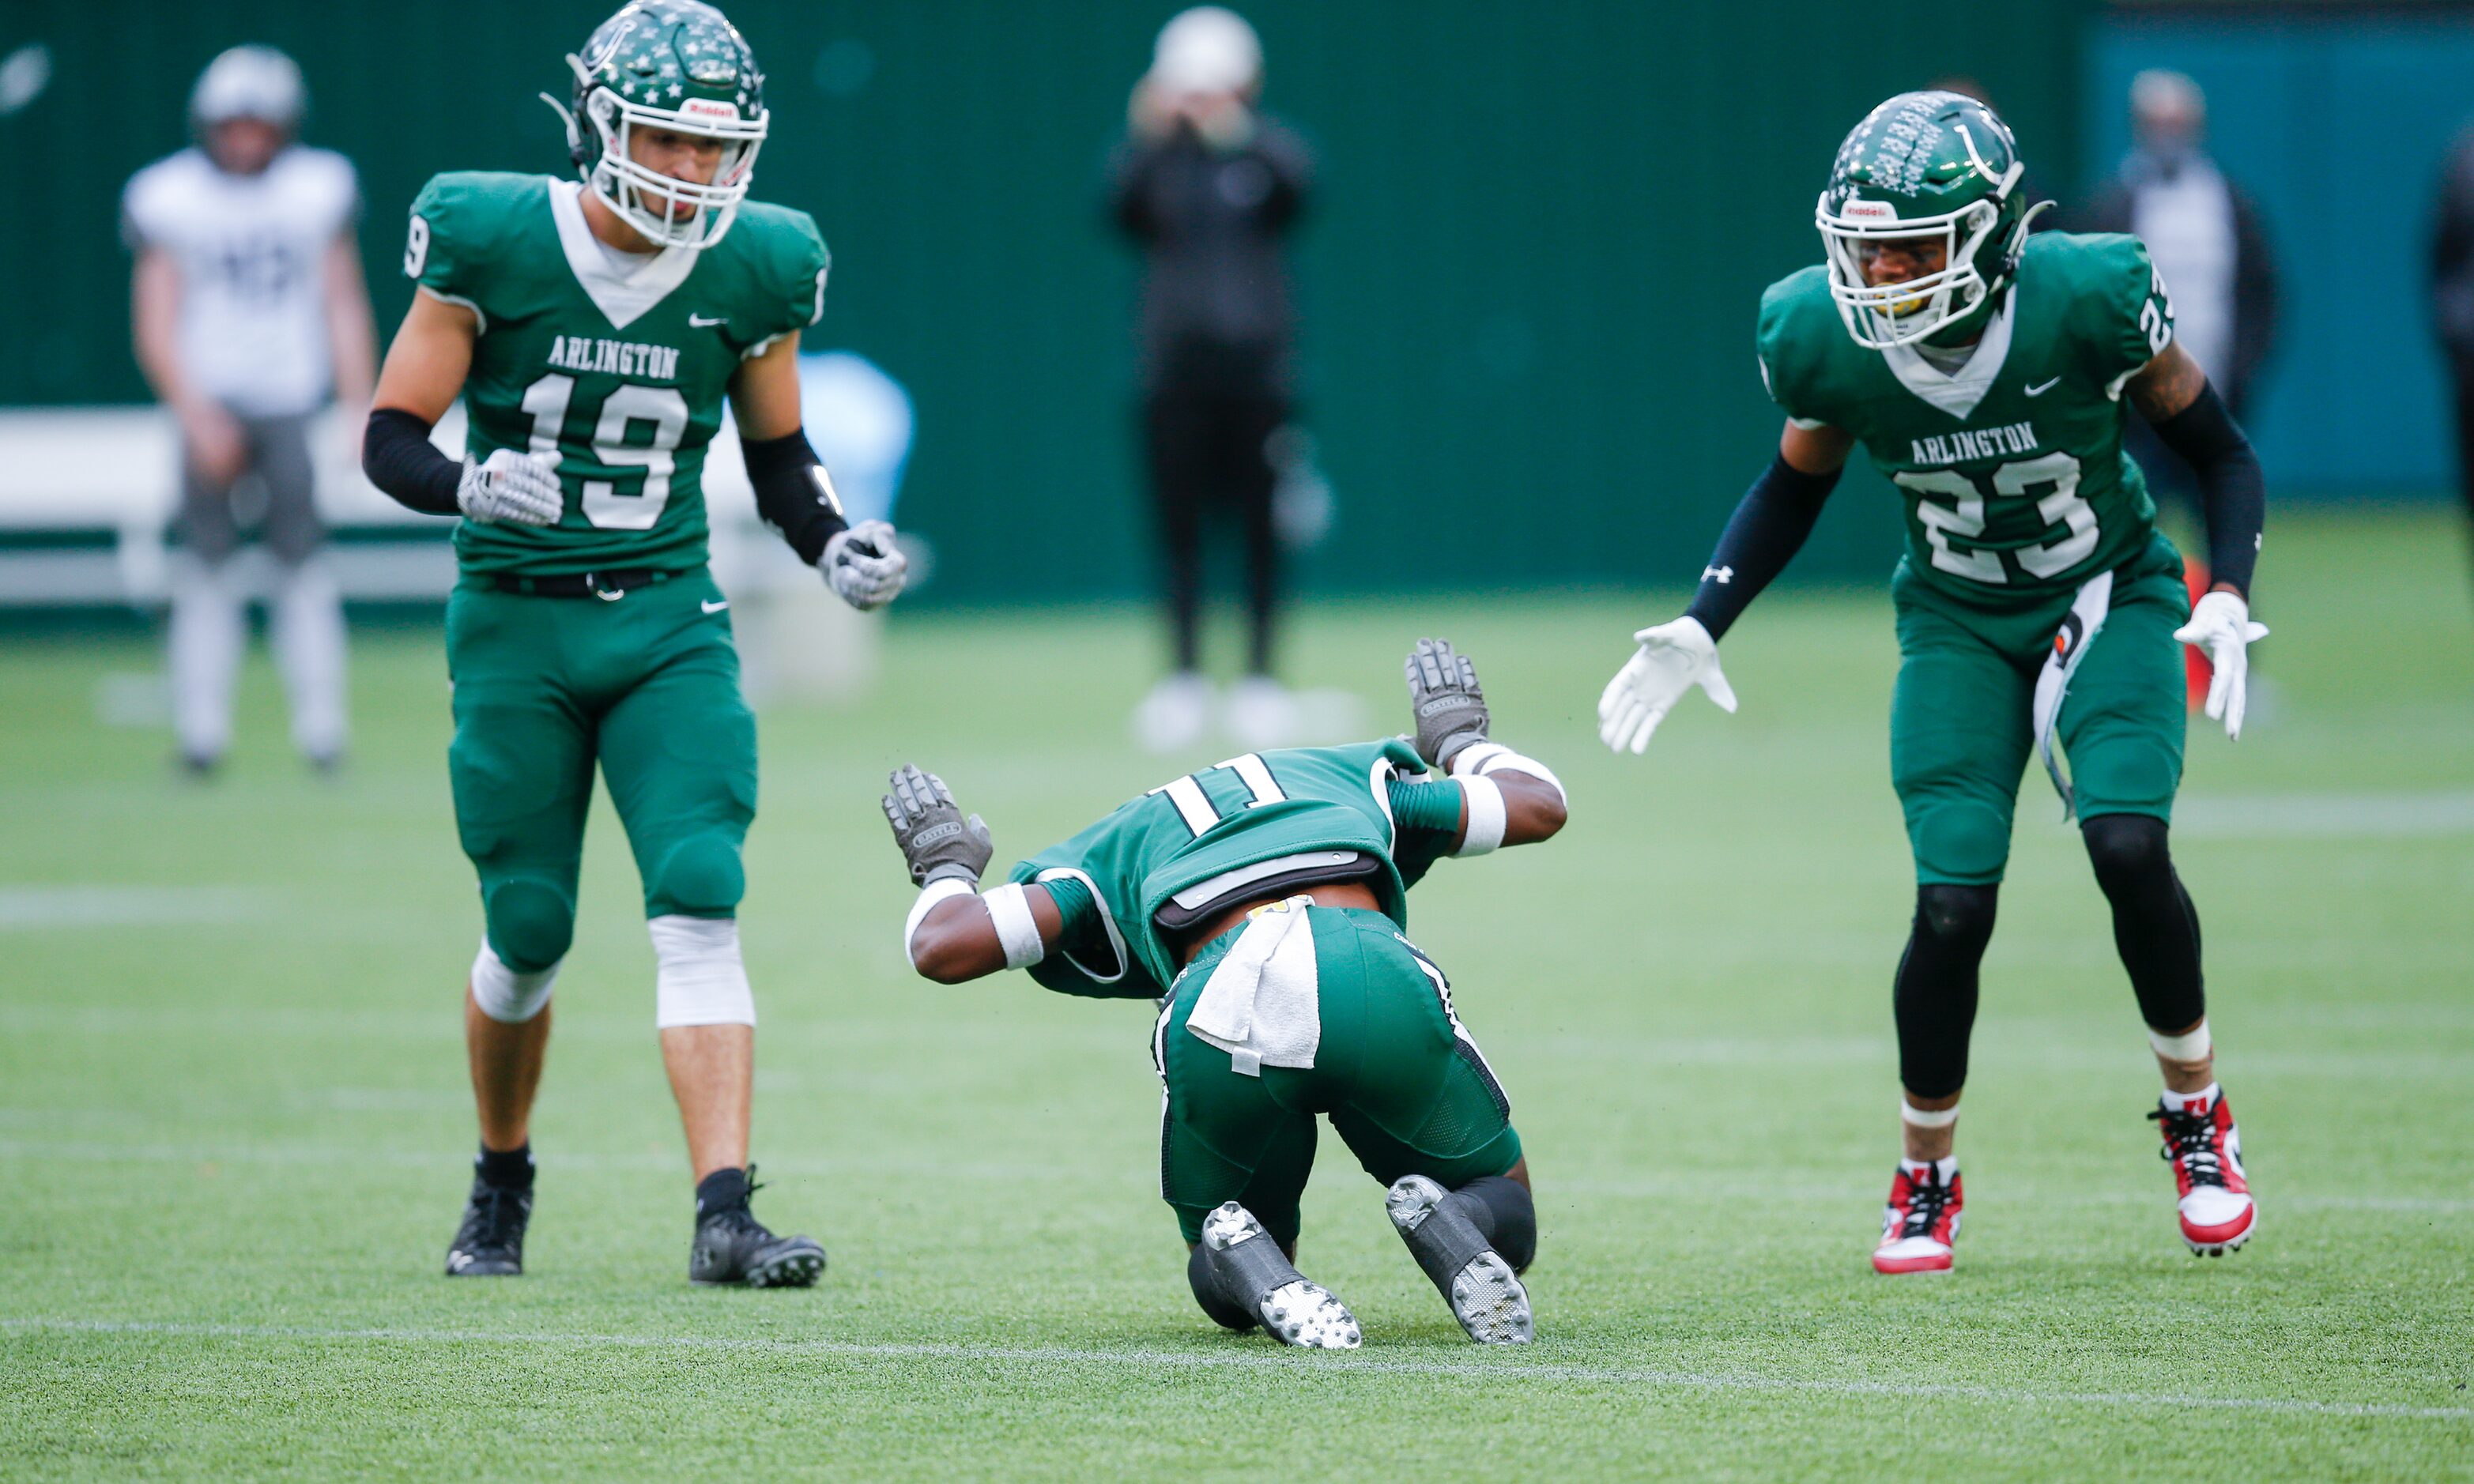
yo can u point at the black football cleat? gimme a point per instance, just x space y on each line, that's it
1486 1295
490 1241
733 1247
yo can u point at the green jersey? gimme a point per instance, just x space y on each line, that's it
2011 465
1198 836
619 366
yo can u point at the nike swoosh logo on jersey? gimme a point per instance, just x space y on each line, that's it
2046 387
715 608
700 323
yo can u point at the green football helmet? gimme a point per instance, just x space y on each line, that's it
1923 164
675 64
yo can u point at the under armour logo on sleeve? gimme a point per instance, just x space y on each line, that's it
1724 574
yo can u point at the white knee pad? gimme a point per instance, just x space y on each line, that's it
702 979
505 995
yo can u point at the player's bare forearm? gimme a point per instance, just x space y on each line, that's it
1822 449
433 353
351 332
764 392
155 311
957 940
2167 385
1533 808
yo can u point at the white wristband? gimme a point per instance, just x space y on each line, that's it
942 889
1485 817
1011 910
1474 758
1480 759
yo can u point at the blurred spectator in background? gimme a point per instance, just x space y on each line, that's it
250 309
1209 187
2204 236
2452 295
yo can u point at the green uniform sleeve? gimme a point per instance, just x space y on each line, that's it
445 243
793 291
1083 937
1426 813
1090 959
1797 315
2126 316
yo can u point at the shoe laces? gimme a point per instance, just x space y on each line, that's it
738 1217
2191 1140
1925 1200
498 1209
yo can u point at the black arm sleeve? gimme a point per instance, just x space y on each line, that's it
1765 533
793 493
399 459
2233 494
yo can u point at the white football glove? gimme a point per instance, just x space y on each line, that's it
2220 624
1673 659
863 567
522 488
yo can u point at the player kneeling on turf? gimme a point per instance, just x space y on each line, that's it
1262 904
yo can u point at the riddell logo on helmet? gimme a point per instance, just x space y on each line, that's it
709 107
1868 211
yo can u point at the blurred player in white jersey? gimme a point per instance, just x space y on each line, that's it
249 311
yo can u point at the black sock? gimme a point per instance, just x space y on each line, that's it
721 1190
505 1169
1203 1275
1503 1213
1933 998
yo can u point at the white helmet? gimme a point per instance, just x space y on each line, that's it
1209 49
249 81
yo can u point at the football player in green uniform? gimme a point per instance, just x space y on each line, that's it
593 327
1263 904
1985 371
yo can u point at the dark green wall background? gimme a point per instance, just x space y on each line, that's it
1530 281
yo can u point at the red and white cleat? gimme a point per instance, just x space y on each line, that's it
1921 1221
2205 1149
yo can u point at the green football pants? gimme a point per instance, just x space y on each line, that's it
1400 1080
1961 719
647 686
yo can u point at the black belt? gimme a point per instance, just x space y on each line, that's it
612 584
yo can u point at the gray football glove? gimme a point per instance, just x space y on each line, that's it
928 825
863 567
1444 694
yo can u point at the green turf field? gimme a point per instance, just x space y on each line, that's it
235 1127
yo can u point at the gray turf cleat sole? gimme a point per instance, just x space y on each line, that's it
1486 1296
1306 1315
743 1254
1297 1312
798 1267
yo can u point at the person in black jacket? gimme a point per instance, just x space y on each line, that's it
2203 232
1210 188
2452 295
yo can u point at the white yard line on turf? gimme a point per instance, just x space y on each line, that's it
1632 1376
31 908
2325 816
1647 1187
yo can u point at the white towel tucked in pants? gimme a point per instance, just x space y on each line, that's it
1262 1004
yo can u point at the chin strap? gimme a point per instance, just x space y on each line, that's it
574 134
2018 243
566 117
